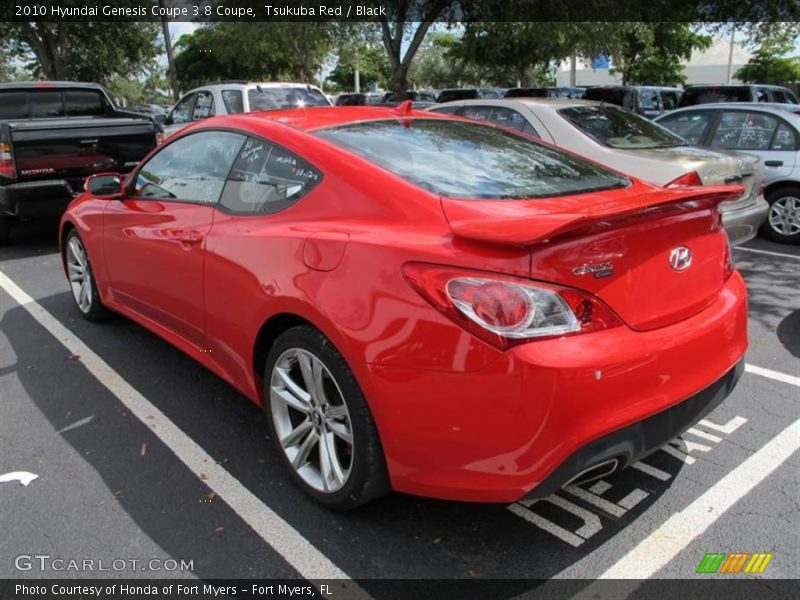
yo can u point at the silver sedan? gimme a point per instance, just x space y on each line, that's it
631 144
769 131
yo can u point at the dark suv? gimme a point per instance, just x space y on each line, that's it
710 94
648 101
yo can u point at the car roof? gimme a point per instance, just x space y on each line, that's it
319 117
736 85
50 84
770 107
552 103
252 84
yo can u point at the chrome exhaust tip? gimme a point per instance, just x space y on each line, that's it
594 472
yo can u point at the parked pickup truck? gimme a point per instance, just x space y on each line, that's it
55 134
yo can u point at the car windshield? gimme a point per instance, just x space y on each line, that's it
471 160
620 129
275 98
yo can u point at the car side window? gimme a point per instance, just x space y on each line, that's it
670 100
233 101
447 110
506 117
648 99
690 126
784 139
203 106
182 113
742 130
266 179
190 169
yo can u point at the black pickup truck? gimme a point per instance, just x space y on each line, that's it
55 134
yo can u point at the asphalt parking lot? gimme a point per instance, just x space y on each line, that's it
143 454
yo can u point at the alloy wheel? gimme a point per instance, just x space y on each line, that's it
784 215
80 276
311 420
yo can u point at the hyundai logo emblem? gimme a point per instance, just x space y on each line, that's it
680 258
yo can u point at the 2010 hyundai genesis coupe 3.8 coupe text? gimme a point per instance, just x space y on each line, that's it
419 302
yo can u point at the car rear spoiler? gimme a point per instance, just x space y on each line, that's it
527 222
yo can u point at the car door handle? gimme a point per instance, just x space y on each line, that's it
774 163
734 179
190 237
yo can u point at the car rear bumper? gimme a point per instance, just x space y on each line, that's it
741 223
627 445
36 199
545 411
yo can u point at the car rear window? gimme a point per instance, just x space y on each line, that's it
709 95
471 160
43 104
14 105
276 98
84 103
528 93
451 95
620 129
619 96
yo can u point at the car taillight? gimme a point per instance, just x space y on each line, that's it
691 178
504 310
727 261
6 160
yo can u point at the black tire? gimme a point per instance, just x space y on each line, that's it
96 310
782 195
5 231
367 478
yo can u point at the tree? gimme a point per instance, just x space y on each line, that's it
512 52
440 64
254 51
396 30
654 53
770 63
373 67
154 89
86 51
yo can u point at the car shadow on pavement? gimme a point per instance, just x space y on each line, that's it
398 536
772 286
31 239
789 333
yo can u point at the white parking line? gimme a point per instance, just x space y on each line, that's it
770 374
768 252
309 562
683 527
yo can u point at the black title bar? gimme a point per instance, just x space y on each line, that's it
406 10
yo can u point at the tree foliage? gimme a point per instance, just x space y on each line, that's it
653 53
373 70
771 63
253 51
508 52
87 51
440 64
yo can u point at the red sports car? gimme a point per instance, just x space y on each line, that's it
419 302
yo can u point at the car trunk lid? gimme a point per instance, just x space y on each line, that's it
631 249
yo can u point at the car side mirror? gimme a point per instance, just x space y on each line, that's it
104 185
160 119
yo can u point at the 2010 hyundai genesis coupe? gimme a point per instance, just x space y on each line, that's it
419 302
